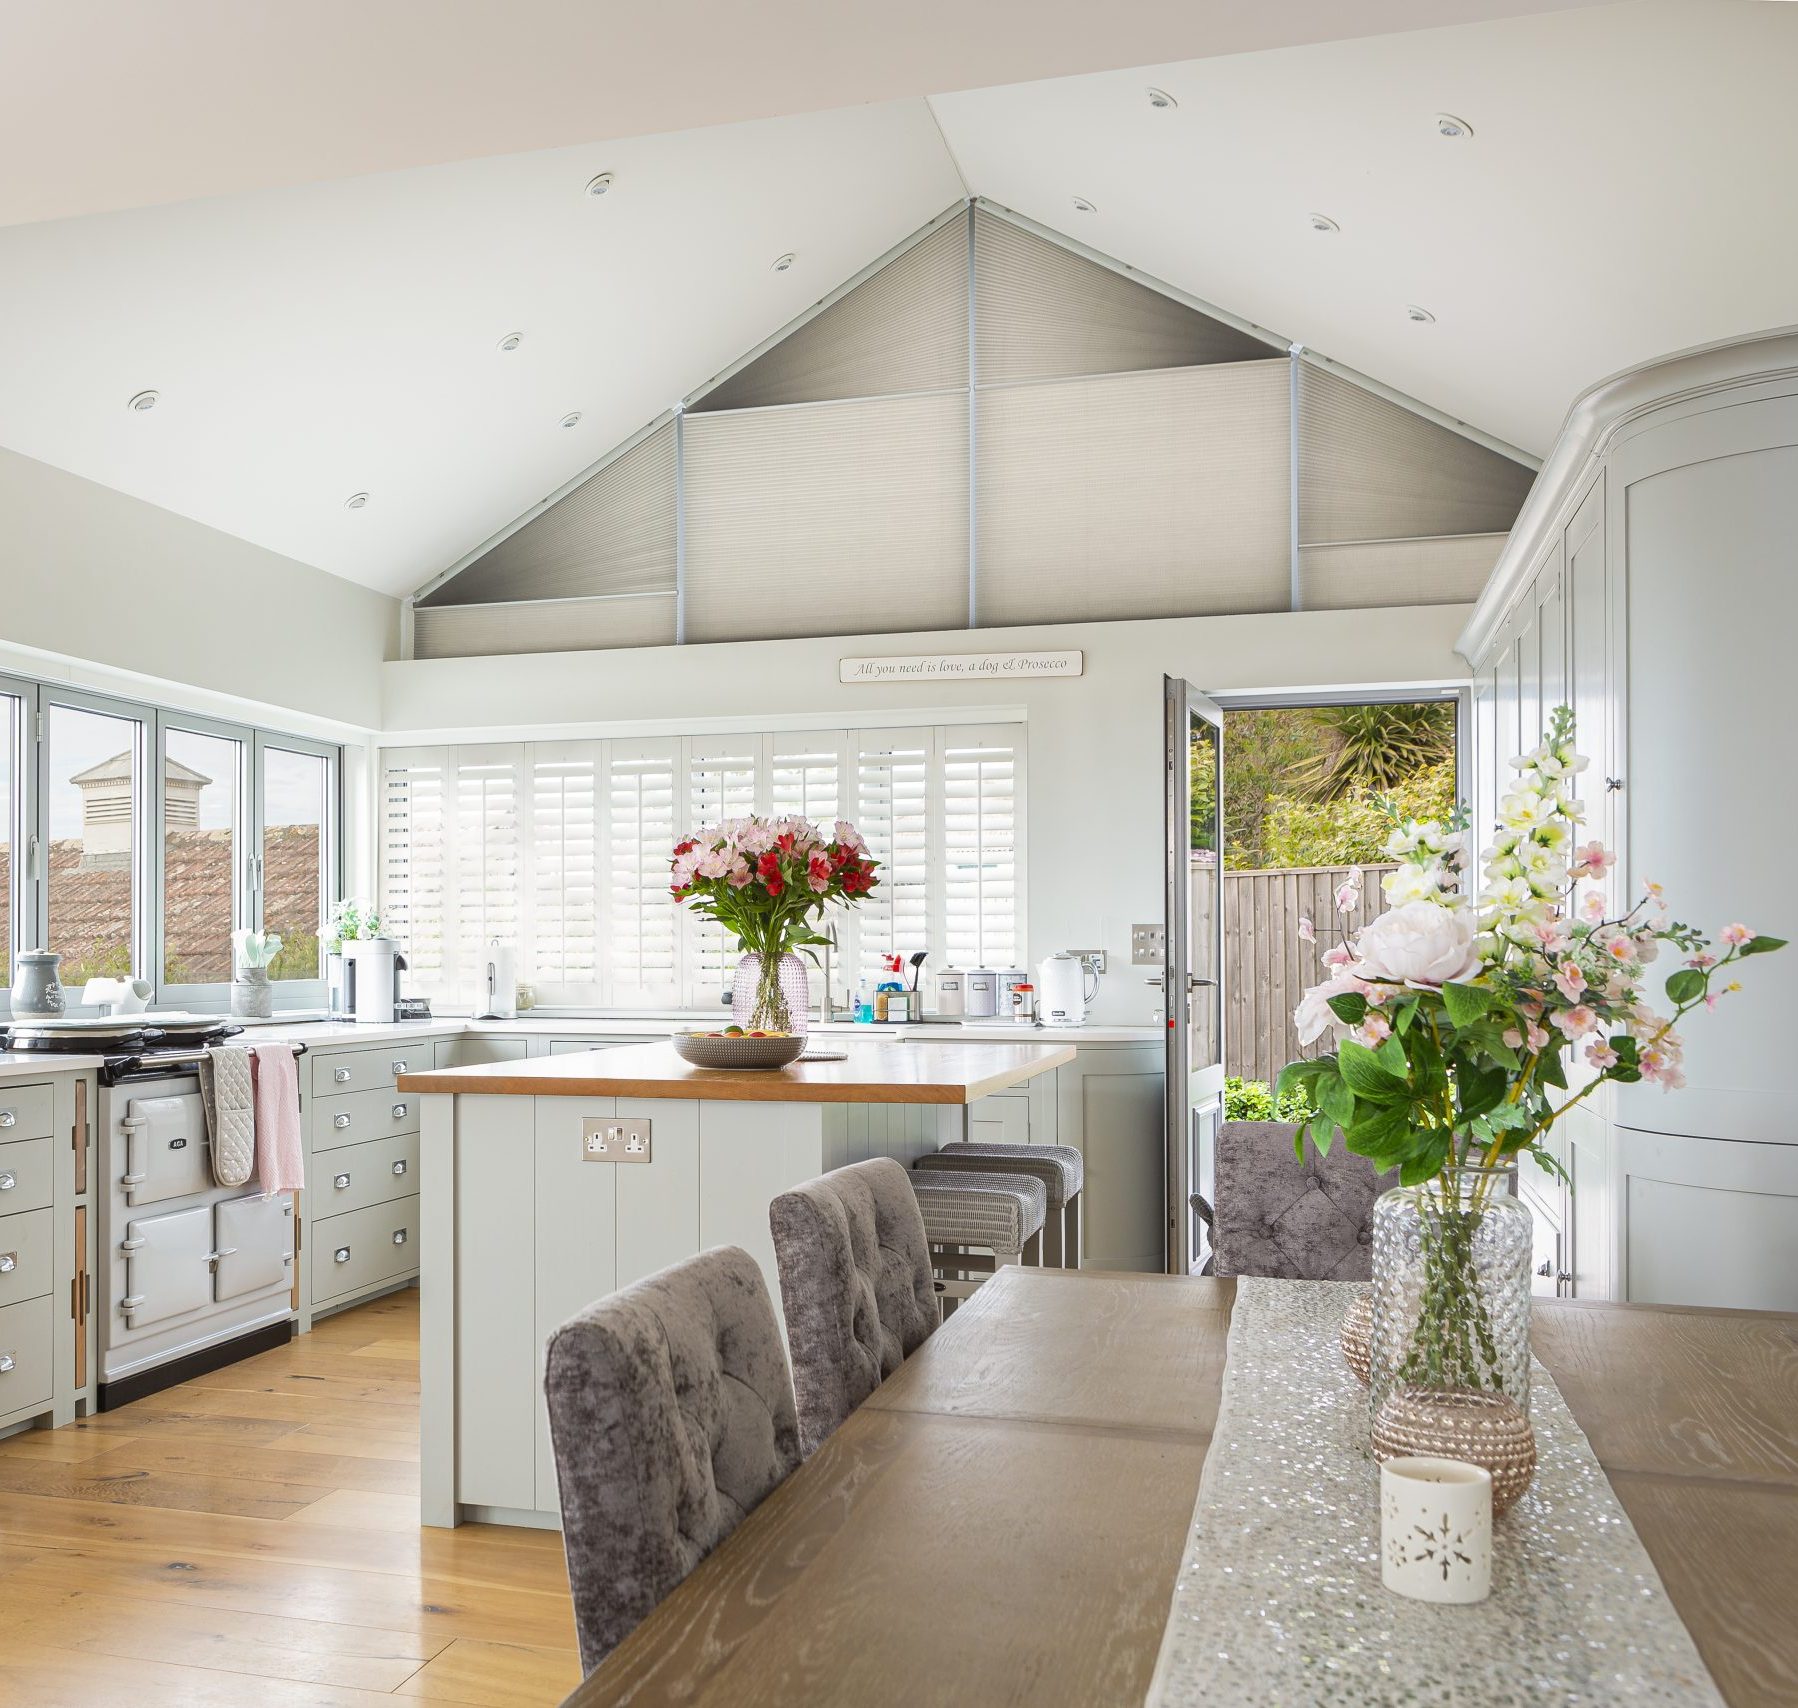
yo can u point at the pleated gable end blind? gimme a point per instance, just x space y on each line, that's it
902 329
1138 495
1043 312
561 850
827 519
613 534
1370 469
1360 576
545 625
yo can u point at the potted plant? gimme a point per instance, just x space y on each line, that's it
251 952
1457 1016
765 880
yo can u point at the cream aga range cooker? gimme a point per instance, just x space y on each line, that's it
191 1275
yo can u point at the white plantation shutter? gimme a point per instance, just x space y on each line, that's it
562 849
641 924
981 771
488 866
723 774
414 892
561 951
892 810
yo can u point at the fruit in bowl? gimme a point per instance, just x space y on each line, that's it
735 1047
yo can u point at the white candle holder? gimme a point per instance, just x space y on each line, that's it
1436 1529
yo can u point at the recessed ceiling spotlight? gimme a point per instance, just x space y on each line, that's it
572 418
511 341
783 262
1413 312
598 186
138 402
1161 100
355 501
1456 130
1082 205
1323 222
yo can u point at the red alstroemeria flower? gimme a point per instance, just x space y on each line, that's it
769 864
774 886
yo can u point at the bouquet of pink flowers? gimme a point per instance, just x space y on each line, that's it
1455 1012
765 879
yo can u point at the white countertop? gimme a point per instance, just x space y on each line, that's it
320 1033
18 1064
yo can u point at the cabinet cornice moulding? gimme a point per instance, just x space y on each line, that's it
1597 416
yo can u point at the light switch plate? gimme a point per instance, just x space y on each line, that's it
1148 945
615 1138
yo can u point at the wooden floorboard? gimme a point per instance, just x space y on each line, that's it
252 1537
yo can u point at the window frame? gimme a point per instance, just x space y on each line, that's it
31 838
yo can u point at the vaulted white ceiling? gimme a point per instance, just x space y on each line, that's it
1621 196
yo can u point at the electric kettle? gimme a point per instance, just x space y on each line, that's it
1061 991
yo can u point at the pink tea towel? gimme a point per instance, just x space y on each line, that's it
280 1161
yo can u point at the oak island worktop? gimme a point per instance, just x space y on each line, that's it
549 1182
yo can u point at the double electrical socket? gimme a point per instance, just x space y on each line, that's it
615 1138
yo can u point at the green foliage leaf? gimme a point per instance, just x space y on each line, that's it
1550 1070
1686 985
1335 1101
1482 1087
1390 1054
1763 945
1350 1008
1488 1038
1427 1163
1367 1075
1466 1003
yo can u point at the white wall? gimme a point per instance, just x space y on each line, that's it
89 574
1095 770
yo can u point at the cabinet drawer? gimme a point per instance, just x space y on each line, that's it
364 1248
355 1176
24 1356
25 1176
27 1112
479 1052
25 1263
343 1071
363 1115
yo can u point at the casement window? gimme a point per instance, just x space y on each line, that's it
135 840
561 850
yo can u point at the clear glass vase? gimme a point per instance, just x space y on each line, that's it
1451 1288
771 994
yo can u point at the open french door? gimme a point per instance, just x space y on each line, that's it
1195 960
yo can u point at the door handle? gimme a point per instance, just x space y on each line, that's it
340 1121
400 1166
341 1254
342 1076
399 1067
399 1111
1194 982
341 1182
399 1236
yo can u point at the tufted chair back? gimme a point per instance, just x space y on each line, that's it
856 1286
671 1414
1295 1221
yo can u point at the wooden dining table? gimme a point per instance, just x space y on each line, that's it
1002 1521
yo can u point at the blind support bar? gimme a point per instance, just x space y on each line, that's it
680 525
973 440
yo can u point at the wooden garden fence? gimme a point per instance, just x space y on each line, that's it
1267 966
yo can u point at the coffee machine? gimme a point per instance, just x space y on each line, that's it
371 981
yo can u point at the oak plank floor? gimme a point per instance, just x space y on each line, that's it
251 1537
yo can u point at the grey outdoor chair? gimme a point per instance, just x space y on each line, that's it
856 1286
1295 1221
671 1414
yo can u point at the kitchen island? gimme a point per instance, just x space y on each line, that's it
549 1182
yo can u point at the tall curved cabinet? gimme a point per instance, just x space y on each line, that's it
1651 582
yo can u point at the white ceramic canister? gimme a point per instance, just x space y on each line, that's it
982 995
951 993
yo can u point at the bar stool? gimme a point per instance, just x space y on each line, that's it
1060 1168
977 1222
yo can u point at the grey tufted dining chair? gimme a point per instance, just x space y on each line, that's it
856 1286
671 1415
1295 1221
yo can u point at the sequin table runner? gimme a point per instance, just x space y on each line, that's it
1279 1605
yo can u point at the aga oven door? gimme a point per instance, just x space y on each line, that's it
168 1265
166 1150
255 1246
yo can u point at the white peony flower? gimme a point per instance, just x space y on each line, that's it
1419 943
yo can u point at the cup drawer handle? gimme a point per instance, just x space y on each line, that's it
340 1121
399 1111
399 1067
342 1076
399 1236
8 1180
400 1166
6 1362
341 1254
9 1117
341 1182
9 1261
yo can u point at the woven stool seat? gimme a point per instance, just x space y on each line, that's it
998 1211
1060 1168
